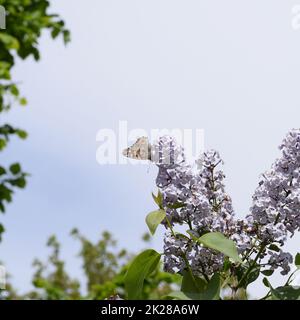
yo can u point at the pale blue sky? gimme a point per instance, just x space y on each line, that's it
229 67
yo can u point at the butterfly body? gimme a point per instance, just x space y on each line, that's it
140 150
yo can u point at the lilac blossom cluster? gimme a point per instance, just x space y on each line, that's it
195 195
276 201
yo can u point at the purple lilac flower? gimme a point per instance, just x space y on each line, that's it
276 201
196 196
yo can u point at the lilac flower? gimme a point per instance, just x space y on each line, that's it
282 260
202 261
276 201
196 196
173 253
205 261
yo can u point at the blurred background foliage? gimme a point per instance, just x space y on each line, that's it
25 22
104 266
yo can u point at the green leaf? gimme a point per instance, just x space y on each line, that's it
192 284
176 205
181 235
178 295
143 265
5 69
286 293
212 294
267 272
273 247
297 260
217 241
20 182
154 218
66 36
55 32
245 277
191 234
213 289
2 144
266 282
210 291
2 171
227 264
14 90
15 168
9 41
158 199
253 275
1 230
22 134
23 102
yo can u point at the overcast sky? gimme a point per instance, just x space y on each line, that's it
229 67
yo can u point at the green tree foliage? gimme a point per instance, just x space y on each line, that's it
51 279
102 260
25 22
104 268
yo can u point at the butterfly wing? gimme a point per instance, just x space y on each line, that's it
140 150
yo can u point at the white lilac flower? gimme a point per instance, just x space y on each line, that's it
218 212
205 205
276 201
173 250
241 232
197 197
204 261
280 259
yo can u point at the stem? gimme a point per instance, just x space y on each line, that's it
190 224
277 218
170 227
247 255
252 265
290 277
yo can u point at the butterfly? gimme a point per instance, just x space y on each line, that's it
140 150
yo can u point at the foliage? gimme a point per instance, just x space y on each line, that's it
25 22
104 267
142 266
9 179
219 253
51 279
101 261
